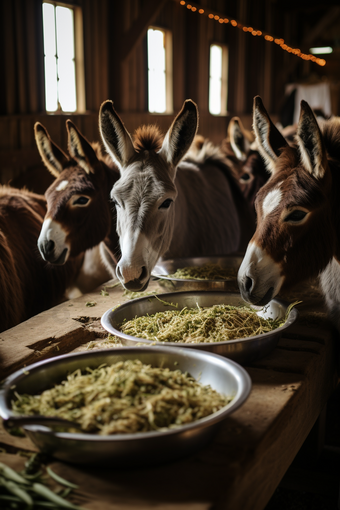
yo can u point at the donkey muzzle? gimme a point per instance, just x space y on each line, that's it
128 279
47 251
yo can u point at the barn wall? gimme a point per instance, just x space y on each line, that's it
116 68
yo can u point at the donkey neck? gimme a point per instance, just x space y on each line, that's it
206 221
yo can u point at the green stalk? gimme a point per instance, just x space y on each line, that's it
45 492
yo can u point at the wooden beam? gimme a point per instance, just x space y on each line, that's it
240 71
319 28
138 28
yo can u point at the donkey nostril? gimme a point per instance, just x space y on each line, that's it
248 284
143 273
49 247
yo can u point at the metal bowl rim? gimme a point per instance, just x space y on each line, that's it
238 371
197 280
293 314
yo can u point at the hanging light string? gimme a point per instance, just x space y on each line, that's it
220 18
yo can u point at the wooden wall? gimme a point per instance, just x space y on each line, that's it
116 68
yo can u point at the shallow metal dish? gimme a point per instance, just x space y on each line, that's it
243 350
164 268
141 448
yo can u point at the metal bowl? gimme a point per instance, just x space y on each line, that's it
243 350
164 268
141 448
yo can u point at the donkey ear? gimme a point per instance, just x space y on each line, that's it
115 136
53 157
181 133
239 141
268 137
80 149
310 142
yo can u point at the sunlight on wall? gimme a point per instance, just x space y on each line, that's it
60 78
156 71
215 80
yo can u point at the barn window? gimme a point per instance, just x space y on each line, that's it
159 70
63 58
218 79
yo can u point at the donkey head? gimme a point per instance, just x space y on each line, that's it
293 238
248 165
145 193
78 214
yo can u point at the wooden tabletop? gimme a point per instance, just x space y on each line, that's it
255 445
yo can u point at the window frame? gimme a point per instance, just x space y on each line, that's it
168 47
78 57
224 79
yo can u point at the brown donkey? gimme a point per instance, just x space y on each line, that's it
28 284
298 213
80 217
245 160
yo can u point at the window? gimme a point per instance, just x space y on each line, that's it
218 79
159 71
63 58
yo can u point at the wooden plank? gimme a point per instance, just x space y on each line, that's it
248 456
241 69
254 446
138 28
14 443
58 330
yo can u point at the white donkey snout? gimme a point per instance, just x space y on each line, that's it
259 277
126 273
52 244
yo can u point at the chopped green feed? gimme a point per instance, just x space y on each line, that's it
204 272
126 397
217 323
135 295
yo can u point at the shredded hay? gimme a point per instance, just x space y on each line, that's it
217 323
204 272
124 398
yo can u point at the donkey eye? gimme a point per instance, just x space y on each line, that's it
81 201
245 177
115 202
166 204
296 216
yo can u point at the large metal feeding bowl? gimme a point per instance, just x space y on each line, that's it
164 270
129 450
243 350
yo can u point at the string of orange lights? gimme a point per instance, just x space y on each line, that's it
219 18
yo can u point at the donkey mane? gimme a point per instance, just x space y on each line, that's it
148 138
289 158
203 150
103 156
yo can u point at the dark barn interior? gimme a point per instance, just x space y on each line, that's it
268 45
115 67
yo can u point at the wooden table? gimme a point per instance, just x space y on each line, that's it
244 464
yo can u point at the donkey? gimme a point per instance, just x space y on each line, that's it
28 285
165 207
245 160
80 216
298 215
